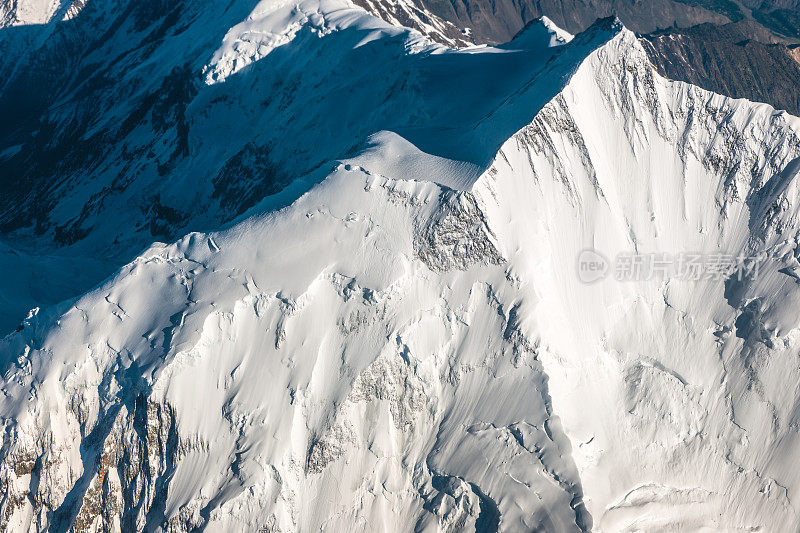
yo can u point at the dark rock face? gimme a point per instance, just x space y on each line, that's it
722 59
784 22
498 21
771 4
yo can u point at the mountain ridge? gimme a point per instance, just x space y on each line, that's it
136 160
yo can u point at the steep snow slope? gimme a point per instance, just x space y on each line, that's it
408 344
679 397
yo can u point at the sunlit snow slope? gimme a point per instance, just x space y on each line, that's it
407 345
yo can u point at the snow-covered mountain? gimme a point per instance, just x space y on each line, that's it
399 338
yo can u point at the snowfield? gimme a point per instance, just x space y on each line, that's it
400 339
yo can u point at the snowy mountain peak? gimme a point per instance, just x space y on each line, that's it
388 320
539 33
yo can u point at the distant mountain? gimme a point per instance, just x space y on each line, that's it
499 20
724 60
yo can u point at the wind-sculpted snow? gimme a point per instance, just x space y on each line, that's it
406 343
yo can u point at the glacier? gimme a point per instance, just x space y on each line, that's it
399 339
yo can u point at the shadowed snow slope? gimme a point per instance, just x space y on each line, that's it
129 125
407 344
